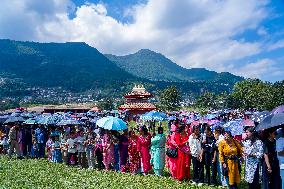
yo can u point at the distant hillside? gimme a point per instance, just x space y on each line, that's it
61 72
156 67
74 66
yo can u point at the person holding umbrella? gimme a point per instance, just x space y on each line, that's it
271 169
280 152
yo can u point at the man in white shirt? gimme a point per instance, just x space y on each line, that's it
196 154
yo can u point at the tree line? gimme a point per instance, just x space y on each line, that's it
246 94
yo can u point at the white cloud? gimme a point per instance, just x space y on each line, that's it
277 45
264 68
196 33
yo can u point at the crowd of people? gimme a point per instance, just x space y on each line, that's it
215 156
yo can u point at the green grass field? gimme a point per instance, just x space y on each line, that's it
42 174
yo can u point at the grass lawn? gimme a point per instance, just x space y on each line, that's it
32 173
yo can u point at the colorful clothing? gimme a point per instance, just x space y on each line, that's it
49 144
172 162
251 163
144 144
225 152
108 151
158 153
116 154
123 149
56 152
134 157
183 159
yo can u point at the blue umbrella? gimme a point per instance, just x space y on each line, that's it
69 122
154 116
30 121
271 121
3 118
259 116
14 119
235 126
211 116
112 123
172 118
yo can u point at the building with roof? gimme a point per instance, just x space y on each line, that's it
137 101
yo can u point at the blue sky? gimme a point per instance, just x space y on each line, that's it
244 37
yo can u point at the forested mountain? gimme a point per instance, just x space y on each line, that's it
156 67
57 71
74 66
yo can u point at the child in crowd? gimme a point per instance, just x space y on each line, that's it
4 144
56 150
71 149
80 141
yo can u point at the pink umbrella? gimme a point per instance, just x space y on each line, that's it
212 122
248 122
195 123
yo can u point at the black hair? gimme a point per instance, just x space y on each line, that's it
208 128
160 130
144 129
218 129
180 129
254 135
195 127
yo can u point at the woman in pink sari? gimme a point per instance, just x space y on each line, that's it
144 144
108 150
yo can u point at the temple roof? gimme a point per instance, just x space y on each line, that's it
131 106
138 91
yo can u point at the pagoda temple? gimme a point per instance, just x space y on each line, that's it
137 101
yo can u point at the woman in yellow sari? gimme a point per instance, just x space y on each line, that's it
229 151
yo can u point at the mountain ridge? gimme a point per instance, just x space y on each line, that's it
155 66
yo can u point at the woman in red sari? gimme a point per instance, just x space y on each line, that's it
133 153
183 158
172 162
144 144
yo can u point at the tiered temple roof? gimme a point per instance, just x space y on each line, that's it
138 92
137 99
142 106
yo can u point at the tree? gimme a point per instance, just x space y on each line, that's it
170 98
253 93
278 93
206 101
106 104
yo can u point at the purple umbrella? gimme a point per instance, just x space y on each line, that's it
271 121
279 109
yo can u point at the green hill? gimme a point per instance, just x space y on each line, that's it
31 69
156 67
74 66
